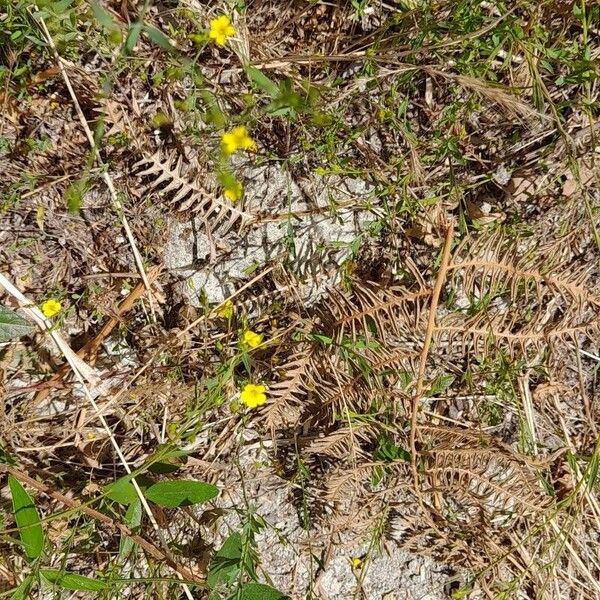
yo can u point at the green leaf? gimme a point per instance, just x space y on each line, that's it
159 38
61 6
133 518
72 581
27 518
286 101
387 450
103 16
440 384
12 325
214 114
225 565
74 195
6 458
324 339
258 591
22 592
132 37
171 494
163 468
262 81
123 491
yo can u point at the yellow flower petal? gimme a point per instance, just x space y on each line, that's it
51 307
237 139
252 339
221 29
229 143
244 141
253 395
225 311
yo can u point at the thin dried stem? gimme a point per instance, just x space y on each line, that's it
420 386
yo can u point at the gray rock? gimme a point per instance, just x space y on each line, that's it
314 233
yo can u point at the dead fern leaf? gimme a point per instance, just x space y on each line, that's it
344 442
374 310
350 484
518 296
286 396
185 191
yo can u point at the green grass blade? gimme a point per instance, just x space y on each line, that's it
22 592
259 591
72 581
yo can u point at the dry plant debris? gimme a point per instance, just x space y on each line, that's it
299 299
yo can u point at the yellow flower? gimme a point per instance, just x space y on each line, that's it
221 29
237 139
253 395
252 339
225 311
356 562
234 191
51 307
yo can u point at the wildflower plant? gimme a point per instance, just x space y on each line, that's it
225 311
234 191
231 142
251 339
51 307
221 30
253 395
237 139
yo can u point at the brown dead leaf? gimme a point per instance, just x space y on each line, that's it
586 176
482 215
520 189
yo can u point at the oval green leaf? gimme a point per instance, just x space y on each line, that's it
123 491
159 38
259 591
72 581
27 518
171 494
261 81
12 325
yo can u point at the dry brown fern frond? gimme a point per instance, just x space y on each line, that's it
482 484
373 380
376 310
478 478
367 522
470 491
440 436
169 178
345 442
490 264
286 396
322 381
416 536
517 296
347 485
